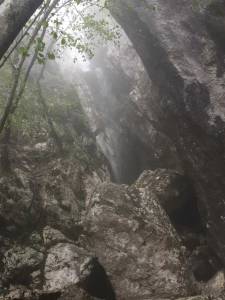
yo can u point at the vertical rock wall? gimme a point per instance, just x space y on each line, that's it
182 51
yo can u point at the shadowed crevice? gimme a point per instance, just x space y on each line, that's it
97 283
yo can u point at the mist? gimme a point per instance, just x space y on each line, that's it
112 130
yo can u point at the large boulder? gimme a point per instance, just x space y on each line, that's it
40 218
127 248
134 240
19 209
20 263
62 266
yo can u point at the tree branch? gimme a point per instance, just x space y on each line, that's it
13 16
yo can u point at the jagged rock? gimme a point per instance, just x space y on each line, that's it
75 293
19 263
40 213
53 236
18 207
173 189
135 242
195 298
118 112
63 192
187 91
14 294
60 195
62 266
215 287
175 119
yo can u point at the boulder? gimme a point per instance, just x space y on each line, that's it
61 267
19 264
134 240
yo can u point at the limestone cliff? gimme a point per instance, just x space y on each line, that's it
157 231
182 50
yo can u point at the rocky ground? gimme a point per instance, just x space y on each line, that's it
67 233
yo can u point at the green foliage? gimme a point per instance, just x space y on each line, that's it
86 26
51 55
62 101
24 51
198 5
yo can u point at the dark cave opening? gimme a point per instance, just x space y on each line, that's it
205 264
50 296
97 283
186 215
133 157
190 227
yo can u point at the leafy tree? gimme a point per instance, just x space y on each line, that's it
43 39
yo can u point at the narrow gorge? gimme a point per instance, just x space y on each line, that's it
112 182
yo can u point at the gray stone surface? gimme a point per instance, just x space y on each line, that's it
67 235
184 57
134 240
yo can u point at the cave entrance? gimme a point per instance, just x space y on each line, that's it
97 283
50 296
188 223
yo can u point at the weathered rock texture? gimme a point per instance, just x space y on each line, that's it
42 200
133 238
115 94
183 52
66 233
120 244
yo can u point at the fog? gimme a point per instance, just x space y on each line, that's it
110 86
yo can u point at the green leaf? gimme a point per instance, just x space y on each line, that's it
51 55
24 51
54 35
63 41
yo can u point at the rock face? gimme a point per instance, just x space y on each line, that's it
182 50
119 245
41 205
112 91
133 238
67 232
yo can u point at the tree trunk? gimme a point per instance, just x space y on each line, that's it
53 131
13 16
5 159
